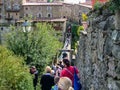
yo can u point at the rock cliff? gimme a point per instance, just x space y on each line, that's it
98 57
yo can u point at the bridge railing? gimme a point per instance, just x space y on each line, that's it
67 47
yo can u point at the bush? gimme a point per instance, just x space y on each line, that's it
97 5
114 4
14 75
75 36
37 46
84 17
80 29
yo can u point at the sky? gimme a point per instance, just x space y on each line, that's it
74 1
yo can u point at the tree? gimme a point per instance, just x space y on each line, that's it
14 75
37 46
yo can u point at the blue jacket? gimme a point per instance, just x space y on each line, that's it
55 87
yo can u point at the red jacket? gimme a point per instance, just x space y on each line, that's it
69 72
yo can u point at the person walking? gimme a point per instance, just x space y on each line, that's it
56 80
34 72
65 84
68 70
65 55
47 80
58 70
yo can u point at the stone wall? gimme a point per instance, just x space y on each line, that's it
98 57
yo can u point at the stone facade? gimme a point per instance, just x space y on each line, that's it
12 10
98 57
42 1
43 10
54 10
15 10
67 10
2 13
31 1
73 11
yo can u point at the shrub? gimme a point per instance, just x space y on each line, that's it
97 5
84 17
114 4
14 75
80 29
37 46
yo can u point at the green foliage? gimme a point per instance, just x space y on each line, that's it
80 28
75 36
28 18
84 17
14 75
37 46
58 34
97 5
114 5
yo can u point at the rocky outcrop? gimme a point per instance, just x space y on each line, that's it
98 57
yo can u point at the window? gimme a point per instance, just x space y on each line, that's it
26 8
8 14
49 15
0 10
26 15
39 16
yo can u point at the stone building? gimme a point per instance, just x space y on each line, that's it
2 14
73 11
43 1
67 10
15 10
12 10
35 1
42 10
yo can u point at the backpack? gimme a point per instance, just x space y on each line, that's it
77 84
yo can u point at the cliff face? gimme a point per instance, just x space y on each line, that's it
98 57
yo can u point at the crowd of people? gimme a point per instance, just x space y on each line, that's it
59 76
56 77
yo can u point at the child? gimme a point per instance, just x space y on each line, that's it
56 79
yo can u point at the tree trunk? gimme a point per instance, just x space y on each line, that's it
117 19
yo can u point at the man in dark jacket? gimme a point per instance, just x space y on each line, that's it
34 72
47 80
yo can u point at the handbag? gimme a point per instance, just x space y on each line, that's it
77 84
